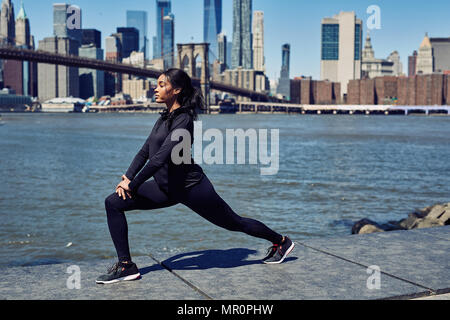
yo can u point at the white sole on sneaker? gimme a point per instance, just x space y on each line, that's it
285 255
127 278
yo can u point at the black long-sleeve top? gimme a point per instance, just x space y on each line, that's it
157 151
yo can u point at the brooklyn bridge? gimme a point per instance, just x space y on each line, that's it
204 82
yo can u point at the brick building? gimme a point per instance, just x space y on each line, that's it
307 91
422 90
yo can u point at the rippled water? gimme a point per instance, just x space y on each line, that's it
57 169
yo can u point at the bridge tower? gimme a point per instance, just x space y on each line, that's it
187 60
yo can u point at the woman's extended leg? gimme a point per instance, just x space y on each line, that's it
204 200
149 196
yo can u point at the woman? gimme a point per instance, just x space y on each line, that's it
185 183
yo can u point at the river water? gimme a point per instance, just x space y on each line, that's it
57 170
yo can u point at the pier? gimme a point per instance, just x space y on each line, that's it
269 107
284 108
152 108
390 265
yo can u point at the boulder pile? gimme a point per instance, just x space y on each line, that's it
433 216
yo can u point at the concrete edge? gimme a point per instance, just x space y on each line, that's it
191 285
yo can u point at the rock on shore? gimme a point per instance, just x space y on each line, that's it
433 216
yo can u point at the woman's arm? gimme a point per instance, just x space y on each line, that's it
183 121
139 161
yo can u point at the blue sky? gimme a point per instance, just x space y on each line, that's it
297 22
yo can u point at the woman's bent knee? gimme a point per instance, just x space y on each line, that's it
111 201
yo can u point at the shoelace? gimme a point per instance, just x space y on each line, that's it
272 249
116 266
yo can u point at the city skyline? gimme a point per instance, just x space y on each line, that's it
299 26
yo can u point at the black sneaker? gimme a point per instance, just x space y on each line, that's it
278 252
120 272
271 251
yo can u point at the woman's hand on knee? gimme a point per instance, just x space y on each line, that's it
122 193
122 188
124 180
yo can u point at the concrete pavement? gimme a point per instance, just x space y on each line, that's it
390 265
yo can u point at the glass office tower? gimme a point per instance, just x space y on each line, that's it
163 8
139 20
284 83
212 26
242 54
169 41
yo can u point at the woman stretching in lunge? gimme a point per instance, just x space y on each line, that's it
174 184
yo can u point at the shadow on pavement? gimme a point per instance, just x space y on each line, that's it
222 259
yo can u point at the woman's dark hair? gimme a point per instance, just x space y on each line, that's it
190 98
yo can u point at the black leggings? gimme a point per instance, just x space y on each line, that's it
201 198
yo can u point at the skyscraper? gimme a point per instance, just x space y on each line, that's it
67 21
23 35
222 48
24 39
113 53
21 76
7 23
229 53
129 39
168 41
92 82
341 49
56 80
163 8
242 55
441 54
258 41
113 48
284 84
139 20
221 63
397 68
92 36
425 61
212 26
412 62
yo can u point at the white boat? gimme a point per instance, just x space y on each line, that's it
59 108
64 105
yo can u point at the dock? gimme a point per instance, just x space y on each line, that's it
270 108
280 108
149 108
388 265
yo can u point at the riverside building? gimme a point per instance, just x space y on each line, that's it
341 49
